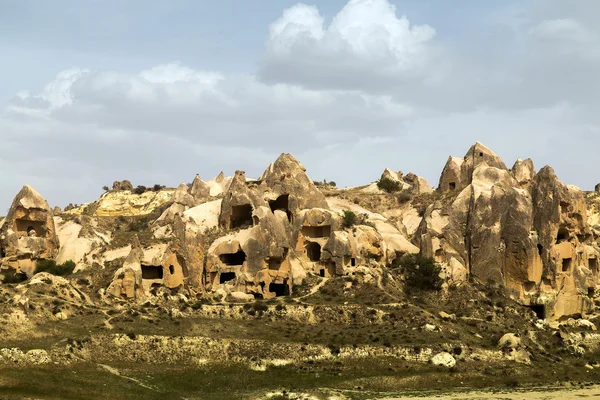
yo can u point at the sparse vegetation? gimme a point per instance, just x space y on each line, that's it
140 189
14 278
350 219
324 183
421 273
51 267
389 185
404 197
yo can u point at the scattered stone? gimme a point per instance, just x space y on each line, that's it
509 341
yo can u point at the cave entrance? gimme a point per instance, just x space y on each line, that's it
313 251
237 258
241 216
591 292
14 277
282 203
327 270
563 234
275 263
353 262
226 277
593 264
316 231
152 272
280 289
439 255
452 185
540 249
529 287
564 207
566 264
27 227
539 310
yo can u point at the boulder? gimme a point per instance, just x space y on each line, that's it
122 185
444 360
509 341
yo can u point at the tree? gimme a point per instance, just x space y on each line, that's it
421 273
389 185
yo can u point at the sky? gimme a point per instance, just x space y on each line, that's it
156 92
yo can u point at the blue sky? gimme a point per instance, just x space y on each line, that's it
156 91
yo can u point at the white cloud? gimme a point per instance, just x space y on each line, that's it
366 46
367 91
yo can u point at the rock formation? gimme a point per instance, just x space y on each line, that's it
123 185
27 234
528 231
411 183
237 239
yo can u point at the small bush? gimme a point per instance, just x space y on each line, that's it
105 188
158 187
83 281
404 197
260 306
140 190
349 219
389 185
51 267
420 272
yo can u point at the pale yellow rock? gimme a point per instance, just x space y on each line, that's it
127 203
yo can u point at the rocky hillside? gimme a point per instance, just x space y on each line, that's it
495 266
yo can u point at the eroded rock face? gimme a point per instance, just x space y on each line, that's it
185 198
144 268
283 186
28 233
528 231
458 173
280 227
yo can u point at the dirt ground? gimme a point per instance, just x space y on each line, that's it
541 394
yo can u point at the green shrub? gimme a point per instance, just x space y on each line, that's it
420 272
51 267
404 197
389 185
105 188
349 219
140 190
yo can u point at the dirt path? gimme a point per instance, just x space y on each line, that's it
537 394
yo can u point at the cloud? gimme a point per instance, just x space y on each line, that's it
348 97
365 47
